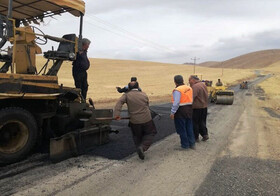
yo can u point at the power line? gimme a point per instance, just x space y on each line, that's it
121 35
127 34
133 34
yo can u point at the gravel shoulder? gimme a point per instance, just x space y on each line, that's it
250 163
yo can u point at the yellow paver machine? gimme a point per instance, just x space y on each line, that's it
34 108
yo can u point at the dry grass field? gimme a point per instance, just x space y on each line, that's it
270 112
156 79
271 86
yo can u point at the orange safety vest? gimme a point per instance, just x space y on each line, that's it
186 95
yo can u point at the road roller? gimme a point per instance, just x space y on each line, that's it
244 85
220 95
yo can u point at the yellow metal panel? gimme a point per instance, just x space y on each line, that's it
28 77
78 5
28 9
29 96
25 35
45 85
25 63
38 49
21 59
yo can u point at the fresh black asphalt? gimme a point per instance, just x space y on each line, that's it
121 145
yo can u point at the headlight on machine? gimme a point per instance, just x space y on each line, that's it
72 55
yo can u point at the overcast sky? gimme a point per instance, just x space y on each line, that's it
174 31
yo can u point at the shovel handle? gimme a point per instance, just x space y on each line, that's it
106 118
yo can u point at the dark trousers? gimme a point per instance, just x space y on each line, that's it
184 128
143 134
199 122
81 82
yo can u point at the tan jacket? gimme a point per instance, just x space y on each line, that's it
137 104
200 95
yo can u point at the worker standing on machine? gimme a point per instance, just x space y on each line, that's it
219 83
80 67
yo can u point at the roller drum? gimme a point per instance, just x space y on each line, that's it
224 99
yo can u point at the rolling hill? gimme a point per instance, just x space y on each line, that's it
254 60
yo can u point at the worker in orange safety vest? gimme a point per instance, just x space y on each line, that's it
181 112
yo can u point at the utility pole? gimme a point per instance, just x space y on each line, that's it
194 62
222 68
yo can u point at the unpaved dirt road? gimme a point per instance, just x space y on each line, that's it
240 158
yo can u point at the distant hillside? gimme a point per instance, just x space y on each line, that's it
252 60
209 63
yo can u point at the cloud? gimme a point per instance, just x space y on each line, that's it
173 31
209 8
228 48
223 49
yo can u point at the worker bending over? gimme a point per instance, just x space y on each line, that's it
141 123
